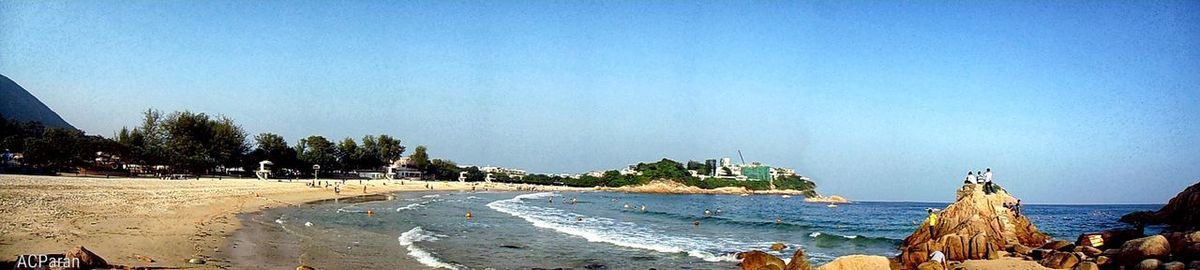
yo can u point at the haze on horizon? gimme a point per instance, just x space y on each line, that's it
1068 101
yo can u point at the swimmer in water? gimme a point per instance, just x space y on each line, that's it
778 221
468 215
707 213
627 206
718 211
370 213
696 223
643 208
573 200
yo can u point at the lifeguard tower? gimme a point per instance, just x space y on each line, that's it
264 170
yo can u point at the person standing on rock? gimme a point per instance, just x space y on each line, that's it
987 176
932 220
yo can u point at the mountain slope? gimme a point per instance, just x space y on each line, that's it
18 104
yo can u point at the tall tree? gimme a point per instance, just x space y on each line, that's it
348 154
317 150
272 147
420 158
369 154
389 148
229 142
190 141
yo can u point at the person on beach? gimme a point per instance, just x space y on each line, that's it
1017 207
933 219
337 189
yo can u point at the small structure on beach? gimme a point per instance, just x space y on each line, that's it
264 169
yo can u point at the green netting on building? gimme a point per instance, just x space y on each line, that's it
762 173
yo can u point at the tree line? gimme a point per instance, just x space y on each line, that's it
194 143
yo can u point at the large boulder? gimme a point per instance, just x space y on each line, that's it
1182 213
87 259
969 228
1174 266
931 265
858 262
758 260
1060 260
1184 245
1059 245
1109 238
1150 247
1087 266
1148 264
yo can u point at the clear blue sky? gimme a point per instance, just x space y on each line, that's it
1069 101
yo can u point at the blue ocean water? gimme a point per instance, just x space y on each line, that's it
527 230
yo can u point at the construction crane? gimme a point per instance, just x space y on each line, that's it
740 157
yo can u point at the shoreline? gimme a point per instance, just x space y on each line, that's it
142 222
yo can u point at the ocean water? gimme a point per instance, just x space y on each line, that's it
544 230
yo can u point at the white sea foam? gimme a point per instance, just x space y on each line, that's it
432 196
411 237
814 234
409 207
280 221
607 230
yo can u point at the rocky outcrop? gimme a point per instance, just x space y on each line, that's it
758 260
858 262
1182 213
975 226
1138 250
87 259
830 199
1060 260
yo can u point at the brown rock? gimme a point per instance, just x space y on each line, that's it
778 246
979 247
931 265
1102 260
1148 264
973 213
1181 213
1022 249
756 260
1112 252
87 259
1194 265
1089 251
1060 260
858 262
955 247
1110 238
799 261
1087 266
304 267
1059 245
1137 250
1174 266
1189 247
1040 253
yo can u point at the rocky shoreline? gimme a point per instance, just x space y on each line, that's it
978 231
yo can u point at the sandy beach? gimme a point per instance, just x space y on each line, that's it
152 222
